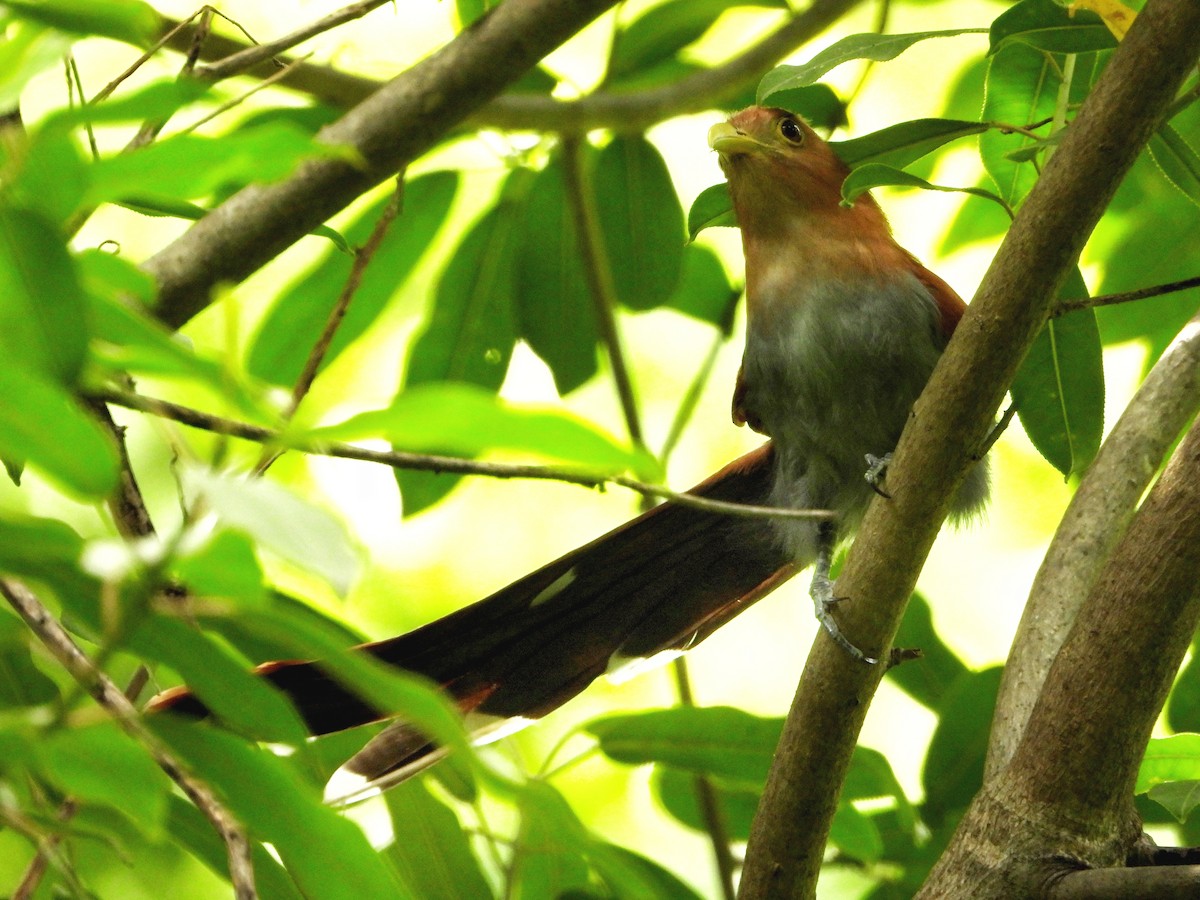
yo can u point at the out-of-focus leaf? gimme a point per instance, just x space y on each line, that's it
704 291
430 851
555 309
100 764
1046 25
676 791
131 21
289 331
630 874
280 809
466 421
1178 160
641 221
225 566
665 29
953 770
156 100
1059 389
186 166
712 208
817 103
855 834
43 327
1173 758
21 682
277 519
975 222
927 678
549 856
28 49
873 175
902 144
876 47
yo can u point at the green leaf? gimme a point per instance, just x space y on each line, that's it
676 791
953 770
156 100
1178 160
22 683
1173 758
27 50
641 221
855 834
130 21
1049 26
41 424
712 208
466 421
431 852
704 291
630 874
817 103
905 143
186 166
223 567
1178 798
43 326
279 808
876 47
555 310
101 764
277 519
549 856
974 223
927 678
872 175
298 317
663 30
1059 389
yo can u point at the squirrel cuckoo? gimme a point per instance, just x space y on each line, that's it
843 329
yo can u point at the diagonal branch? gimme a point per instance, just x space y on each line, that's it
393 126
949 421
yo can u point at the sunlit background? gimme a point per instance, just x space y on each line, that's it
489 532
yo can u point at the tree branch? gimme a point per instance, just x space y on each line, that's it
1098 515
393 126
114 701
423 462
949 421
1143 883
1157 290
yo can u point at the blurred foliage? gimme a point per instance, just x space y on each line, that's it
76 319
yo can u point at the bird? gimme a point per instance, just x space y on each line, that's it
843 328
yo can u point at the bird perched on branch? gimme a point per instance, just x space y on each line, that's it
844 327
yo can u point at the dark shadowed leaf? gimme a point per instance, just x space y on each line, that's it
953 770
927 678
704 291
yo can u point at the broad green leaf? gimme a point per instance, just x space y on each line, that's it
188 827
902 144
131 21
876 47
1167 759
549 856
873 175
712 208
466 421
556 312
1178 160
953 770
1022 88
676 791
223 567
1059 389
630 874
279 808
186 166
431 852
855 834
1178 798
101 764
817 103
870 777
40 423
927 678
704 291
28 49
282 522
43 325
298 317
1049 26
1183 704
641 221
665 29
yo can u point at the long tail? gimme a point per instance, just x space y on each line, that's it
662 582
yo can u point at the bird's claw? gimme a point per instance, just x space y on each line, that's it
876 467
823 603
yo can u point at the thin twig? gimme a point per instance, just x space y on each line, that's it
241 98
1067 306
598 272
60 644
449 464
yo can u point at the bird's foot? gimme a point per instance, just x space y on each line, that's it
821 592
876 467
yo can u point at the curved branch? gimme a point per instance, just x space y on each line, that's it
949 421
393 126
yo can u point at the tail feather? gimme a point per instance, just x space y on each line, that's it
663 581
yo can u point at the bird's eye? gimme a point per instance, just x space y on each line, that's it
791 130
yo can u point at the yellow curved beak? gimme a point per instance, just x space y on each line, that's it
724 138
